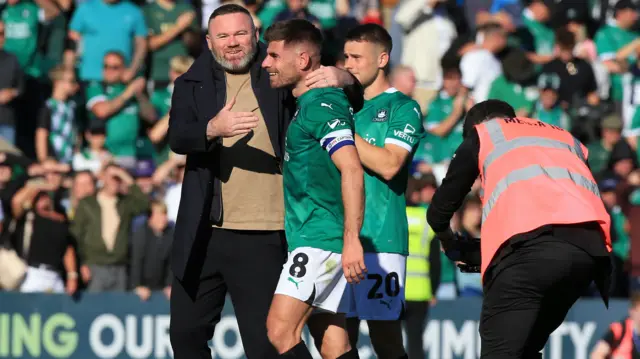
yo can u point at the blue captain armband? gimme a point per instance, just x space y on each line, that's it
335 140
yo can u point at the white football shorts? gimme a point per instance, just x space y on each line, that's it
315 276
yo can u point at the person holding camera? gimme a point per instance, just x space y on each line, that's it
545 233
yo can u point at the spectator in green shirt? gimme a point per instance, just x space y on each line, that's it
120 105
445 115
600 151
22 21
611 38
517 84
167 21
547 109
535 17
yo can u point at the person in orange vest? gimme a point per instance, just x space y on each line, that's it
544 233
622 340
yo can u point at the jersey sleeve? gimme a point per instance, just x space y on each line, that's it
44 118
606 49
330 123
405 126
95 94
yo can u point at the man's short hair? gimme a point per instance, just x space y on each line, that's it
116 53
565 39
295 31
228 9
372 33
484 111
180 63
491 28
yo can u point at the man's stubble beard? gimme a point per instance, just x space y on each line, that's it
244 64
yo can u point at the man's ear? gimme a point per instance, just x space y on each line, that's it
383 60
304 61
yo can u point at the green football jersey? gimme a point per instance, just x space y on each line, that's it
21 25
389 118
314 213
122 126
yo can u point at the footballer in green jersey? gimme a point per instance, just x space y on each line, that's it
388 130
324 200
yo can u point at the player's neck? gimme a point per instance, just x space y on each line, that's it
378 86
300 88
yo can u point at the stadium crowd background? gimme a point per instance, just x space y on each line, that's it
85 91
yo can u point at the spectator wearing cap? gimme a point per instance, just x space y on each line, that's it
102 226
120 105
535 17
577 79
600 150
547 109
56 126
150 254
517 85
95 156
622 161
168 21
144 177
613 37
619 234
11 86
102 26
575 19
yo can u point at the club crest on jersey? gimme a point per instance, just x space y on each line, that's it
381 116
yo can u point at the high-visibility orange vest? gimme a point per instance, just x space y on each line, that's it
623 339
533 174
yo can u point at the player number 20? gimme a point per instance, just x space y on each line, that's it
298 268
391 285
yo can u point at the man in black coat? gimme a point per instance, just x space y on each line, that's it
229 234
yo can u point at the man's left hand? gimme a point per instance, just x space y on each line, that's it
328 76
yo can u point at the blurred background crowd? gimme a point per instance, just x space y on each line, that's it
90 190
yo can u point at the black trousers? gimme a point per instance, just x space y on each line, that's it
415 320
529 294
244 264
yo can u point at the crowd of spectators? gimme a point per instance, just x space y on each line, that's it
90 188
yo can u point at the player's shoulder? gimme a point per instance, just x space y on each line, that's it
401 103
327 101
